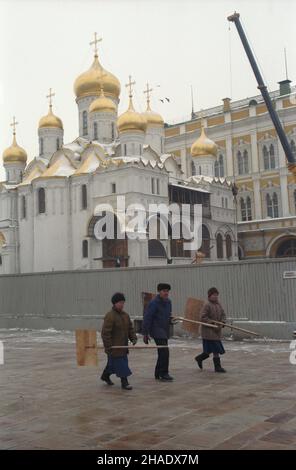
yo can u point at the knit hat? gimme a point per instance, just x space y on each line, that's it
212 290
118 297
163 286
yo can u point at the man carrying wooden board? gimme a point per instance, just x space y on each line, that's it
116 331
211 312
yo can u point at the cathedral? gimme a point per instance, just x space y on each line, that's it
48 204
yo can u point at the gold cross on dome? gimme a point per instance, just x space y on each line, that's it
148 91
50 95
130 84
95 42
13 124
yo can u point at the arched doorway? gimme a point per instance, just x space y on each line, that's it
114 250
156 249
206 242
228 246
219 241
286 248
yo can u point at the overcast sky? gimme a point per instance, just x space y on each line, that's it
171 43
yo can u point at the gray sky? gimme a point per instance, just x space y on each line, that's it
171 43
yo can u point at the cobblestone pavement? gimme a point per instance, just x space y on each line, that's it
47 402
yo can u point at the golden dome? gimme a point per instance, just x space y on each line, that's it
131 121
153 119
102 104
203 146
50 120
14 153
88 83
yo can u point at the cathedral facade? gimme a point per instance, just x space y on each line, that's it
49 205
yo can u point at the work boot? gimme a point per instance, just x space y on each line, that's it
217 364
125 385
201 357
106 378
166 378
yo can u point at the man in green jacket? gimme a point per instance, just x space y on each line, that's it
116 331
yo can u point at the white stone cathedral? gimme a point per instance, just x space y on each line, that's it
48 206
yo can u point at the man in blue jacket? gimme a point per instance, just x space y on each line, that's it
156 323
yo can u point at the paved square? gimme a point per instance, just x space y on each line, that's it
47 402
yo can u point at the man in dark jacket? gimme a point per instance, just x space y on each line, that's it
116 331
156 323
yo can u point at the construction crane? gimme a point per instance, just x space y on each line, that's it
291 160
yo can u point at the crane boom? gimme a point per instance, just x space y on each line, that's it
263 89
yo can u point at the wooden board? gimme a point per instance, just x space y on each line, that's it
146 298
86 347
193 309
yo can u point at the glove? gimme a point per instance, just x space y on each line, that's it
108 351
173 321
146 339
134 341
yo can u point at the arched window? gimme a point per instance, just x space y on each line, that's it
24 211
219 241
206 240
275 205
41 146
269 206
156 249
295 199
228 247
272 156
112 131
95 131
217 169
240 163
246 162
272 205
84 123
268 157
193 169
0 260
124 147
221 166
85 249
58 144
243 210
249 208
41 200
265 158
84 196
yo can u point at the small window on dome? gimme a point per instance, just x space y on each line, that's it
41 146
84 122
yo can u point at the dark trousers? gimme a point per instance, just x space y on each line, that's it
162 365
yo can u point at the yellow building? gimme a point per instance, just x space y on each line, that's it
250 154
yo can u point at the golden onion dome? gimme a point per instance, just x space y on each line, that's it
153 119
102 104
131 121
88 82
50 120
14 153
203 146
